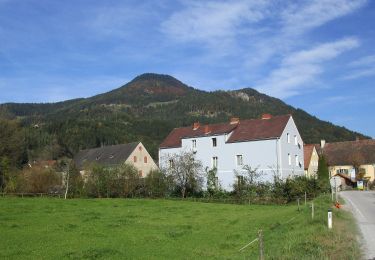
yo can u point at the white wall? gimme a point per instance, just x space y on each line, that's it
292 149
268 156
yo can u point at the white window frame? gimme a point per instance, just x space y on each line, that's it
297 161
289 159
288 138
194 143
295 140
215 162
239 160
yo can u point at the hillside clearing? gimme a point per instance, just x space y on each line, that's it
163 229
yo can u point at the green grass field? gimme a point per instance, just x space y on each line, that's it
46 228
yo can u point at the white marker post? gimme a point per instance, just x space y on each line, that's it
329 219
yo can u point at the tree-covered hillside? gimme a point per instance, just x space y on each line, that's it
147 109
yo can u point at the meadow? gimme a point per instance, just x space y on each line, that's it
52 228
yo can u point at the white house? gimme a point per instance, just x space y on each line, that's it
271 144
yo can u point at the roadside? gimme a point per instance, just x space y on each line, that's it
362 205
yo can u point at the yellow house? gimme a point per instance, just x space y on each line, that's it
311 158
114 155
344 157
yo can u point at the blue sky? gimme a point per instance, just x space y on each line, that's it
315 55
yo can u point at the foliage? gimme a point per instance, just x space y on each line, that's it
186 173
323 173
39 179
157 184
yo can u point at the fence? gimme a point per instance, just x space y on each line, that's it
24 194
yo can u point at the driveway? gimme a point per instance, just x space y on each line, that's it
362 204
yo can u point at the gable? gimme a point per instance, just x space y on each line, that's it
107 155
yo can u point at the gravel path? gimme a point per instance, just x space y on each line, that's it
362 204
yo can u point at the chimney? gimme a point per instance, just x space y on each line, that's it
266 116
207 129
322 143
196 125
234 120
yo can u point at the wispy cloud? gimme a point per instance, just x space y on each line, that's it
302 67
363 67
298 19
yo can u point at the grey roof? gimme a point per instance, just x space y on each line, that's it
106 155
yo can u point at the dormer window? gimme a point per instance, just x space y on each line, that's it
111 156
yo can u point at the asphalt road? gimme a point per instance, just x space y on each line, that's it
362 204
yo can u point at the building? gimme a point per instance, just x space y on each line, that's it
311 160
272 145
343 157
114 155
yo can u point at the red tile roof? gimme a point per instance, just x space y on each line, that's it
307 153
345 153
245 130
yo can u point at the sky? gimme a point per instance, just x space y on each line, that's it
315 55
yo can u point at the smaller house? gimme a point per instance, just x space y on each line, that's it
344 157
114 155
311 157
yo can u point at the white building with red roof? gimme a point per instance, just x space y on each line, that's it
272 145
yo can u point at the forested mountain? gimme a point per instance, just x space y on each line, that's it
147 109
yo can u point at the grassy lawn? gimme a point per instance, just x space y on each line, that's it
46 228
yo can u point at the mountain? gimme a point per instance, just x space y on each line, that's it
147 109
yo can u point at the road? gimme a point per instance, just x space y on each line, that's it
362 204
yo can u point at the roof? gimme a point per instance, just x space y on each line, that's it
307 153
245 130
346 153
106 155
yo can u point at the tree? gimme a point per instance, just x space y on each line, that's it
323 173
156 184
186 172
357 160
212 181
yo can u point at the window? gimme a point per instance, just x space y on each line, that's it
289 159
297 162
240 180
288 138
344 171
171 163
295 140
140 173
145 159
214 162
135 158
239 160
194 144
214 142
140 148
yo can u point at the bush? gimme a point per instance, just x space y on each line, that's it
38 180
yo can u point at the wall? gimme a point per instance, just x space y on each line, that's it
313 166
143 168
369 168
291 148
269 157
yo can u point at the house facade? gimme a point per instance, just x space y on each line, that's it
344 157
272 145
311 160
114 155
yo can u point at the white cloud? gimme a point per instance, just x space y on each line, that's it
302 67
210 21
363 67
298 19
